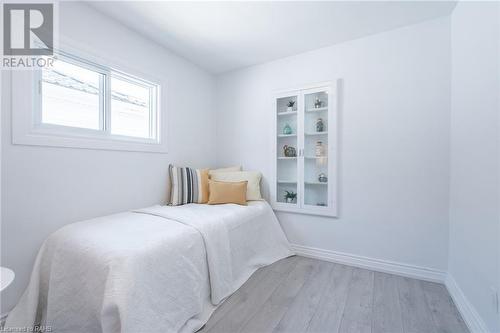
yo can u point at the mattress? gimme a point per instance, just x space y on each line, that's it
158 269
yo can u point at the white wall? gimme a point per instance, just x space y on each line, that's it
394 131
44 188
474 195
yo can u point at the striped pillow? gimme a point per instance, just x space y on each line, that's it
187 185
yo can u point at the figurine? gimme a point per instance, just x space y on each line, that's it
287 130
322 178
318 103
320 126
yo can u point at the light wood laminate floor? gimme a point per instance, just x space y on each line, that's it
299 294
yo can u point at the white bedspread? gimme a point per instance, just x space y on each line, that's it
160 269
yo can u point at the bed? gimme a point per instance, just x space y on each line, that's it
159 269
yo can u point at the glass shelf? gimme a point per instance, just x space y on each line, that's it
317 109
316 133
287 113
316 157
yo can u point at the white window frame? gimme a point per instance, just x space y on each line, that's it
28 128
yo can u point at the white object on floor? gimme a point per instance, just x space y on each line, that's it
161 270
6 277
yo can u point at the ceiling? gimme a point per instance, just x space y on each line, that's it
223 36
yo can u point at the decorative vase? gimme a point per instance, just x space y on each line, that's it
287 129
289 200
289 151
322 178
320 126
289 109
320 149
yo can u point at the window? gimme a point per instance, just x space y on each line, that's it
131 105
83 98
92 102
71 96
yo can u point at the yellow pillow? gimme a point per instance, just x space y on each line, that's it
252 177
227 192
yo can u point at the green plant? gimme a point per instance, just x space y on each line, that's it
290 195
291 104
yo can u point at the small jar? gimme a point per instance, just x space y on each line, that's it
320 149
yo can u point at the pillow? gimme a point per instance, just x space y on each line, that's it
227 192
252 177
229 169
187 185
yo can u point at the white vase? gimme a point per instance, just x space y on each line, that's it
320 149
289 109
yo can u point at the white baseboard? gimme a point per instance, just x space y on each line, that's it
379 265
467 310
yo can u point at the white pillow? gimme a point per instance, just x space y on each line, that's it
229 169
252 177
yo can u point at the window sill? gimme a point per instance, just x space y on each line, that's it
37 137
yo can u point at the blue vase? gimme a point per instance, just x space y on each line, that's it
287 129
